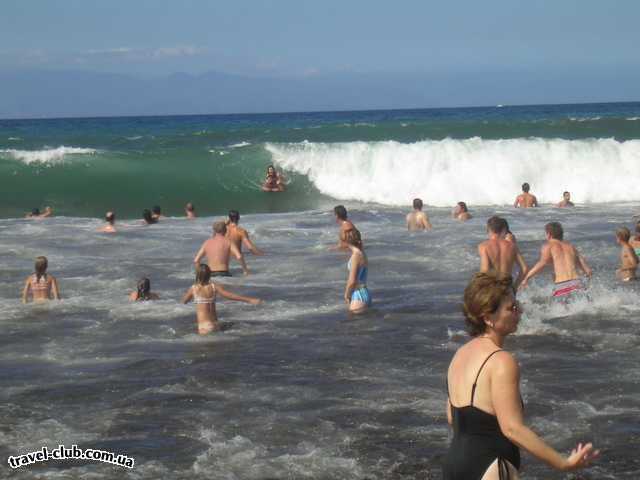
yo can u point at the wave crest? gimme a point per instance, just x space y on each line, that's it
50 155
478 171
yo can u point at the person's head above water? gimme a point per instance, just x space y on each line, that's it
147 216
234 216
353 237
220 228
483 298
497 225
156 210
35 212
525 187
40 266
340 212
554 230
203 274
110 217
144 288
189 207
566 196
623 234
271 170
417 204
463 207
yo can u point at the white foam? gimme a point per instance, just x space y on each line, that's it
49 155
584 119
633 119
478 171
239 145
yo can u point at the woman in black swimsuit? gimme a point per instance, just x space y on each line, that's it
485 408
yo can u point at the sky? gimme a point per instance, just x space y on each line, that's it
304 39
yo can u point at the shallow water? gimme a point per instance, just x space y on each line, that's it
294 388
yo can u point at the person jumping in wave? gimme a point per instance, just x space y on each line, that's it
143 292
203 293
628 257
525 199
499 254
485 406
274 181
356 293
565 260
418 220
40 285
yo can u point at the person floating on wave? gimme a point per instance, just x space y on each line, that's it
461 212
238 235
41 285
356 293
418 220
218 249
525 199
110 227
35 213
628 257
499 254
147 217
203 293
566 261
345 225
566 201
485 407
190 211
274 181
635 241
143 292
156 213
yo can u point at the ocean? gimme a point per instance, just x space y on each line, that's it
294 388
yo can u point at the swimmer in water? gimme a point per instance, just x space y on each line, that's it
110 218
273 182
42 286
525 199
565 260
147 217
345 225
35 213
156 213
499 254
461 212
143 292
203 293
628 257
190 211
356 293
418 220
566 201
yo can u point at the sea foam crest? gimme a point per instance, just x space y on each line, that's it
478 171
49 155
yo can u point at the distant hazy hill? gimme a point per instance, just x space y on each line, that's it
41 93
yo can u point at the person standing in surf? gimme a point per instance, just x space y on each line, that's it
218 249
345 226
418 220
499 254
203 293
238 235
566 201
190 211
635 241
566 261
628 257
41 285
525 199
356 293
484 404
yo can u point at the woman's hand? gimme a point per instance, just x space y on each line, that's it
581 456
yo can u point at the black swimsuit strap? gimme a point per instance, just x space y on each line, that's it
473 388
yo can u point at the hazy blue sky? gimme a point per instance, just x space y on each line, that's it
301 38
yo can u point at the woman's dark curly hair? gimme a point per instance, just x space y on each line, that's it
483 296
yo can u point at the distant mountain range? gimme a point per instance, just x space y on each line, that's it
57 93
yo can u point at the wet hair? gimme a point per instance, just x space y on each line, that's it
146 214
623 234
234 216
274 169
110 217
463 207
497 224
483 296
555 230
203 274
144 289
340 212
35 211
189 207
525 187
565 193
40 267
417 204
220 228
156 210
353 237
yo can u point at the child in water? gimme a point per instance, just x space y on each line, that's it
143 292
203 293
